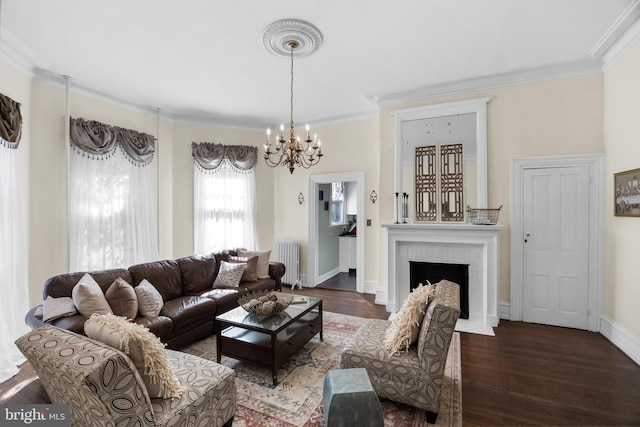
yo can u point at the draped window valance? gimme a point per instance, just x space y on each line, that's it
100 140
10 122
209 156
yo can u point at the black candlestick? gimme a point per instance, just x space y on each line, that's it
405 207
397 212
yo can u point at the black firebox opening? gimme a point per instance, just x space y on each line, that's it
421 272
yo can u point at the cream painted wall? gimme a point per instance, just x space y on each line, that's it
183 135
622 133
539 119
48 238
347 147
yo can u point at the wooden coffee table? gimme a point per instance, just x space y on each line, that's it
268 341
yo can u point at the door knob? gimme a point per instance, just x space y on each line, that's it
527 237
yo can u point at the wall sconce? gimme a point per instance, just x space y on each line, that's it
300 198
373 196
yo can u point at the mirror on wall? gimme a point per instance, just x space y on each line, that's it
461 122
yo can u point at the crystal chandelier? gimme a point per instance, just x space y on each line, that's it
291 152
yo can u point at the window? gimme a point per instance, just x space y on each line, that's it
111 209
338 208
224 198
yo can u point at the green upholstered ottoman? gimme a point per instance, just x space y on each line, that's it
349 399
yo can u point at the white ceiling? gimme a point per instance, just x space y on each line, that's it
204 59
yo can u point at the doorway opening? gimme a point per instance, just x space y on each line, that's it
320 197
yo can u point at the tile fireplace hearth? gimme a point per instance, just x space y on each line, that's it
475 245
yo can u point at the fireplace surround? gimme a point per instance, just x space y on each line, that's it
461 243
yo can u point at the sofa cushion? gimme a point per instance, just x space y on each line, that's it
159 326
149 299
405 326
198 273
187 311
55 308
262 269
230 274
89 298
143 348
165 276
225 298
122 299
249 273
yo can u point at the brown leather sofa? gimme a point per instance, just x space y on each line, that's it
190 302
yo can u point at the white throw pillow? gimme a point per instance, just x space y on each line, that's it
405 327
262 269
55 308
88 297
150 301
143 348
230 274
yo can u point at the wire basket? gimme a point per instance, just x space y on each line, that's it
483 216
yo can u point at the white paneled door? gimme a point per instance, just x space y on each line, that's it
556 246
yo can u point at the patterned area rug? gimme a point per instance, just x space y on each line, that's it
297 399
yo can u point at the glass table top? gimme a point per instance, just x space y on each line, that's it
300 304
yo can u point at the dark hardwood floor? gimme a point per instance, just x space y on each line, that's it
343 281
527 375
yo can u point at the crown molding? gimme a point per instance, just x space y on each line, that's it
626 38
79 87
625 21
511 78
18 54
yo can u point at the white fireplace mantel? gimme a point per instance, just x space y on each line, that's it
463 243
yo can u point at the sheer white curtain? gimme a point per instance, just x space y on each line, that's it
225 208
111 212
13 263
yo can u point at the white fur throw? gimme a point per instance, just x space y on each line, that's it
143 348
405 327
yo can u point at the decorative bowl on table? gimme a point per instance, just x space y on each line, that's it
264 303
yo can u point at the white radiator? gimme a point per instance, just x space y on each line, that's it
288 253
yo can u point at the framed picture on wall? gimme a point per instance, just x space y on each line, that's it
626 186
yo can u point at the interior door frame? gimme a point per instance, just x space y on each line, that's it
312 255
595 163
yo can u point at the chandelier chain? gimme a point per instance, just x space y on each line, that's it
291 46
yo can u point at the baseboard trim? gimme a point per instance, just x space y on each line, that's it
328 275
621 337
381 296
304 282
370 287
504 310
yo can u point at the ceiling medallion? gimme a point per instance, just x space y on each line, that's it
278 35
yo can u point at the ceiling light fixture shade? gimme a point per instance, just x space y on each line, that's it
298 39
